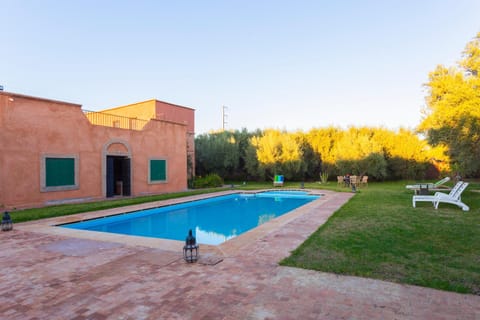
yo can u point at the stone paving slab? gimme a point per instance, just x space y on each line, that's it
46 275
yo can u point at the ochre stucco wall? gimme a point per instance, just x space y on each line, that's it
142 110
31 127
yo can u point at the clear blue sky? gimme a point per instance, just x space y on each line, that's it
275 64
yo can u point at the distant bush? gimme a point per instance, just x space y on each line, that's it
209 181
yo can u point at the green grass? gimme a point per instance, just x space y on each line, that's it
288 185
378 234
67 209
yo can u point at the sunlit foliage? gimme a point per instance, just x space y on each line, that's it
452 115
377 152
279 153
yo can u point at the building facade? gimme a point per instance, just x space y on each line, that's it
55 152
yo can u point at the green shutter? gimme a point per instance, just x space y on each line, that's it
158 170
59 172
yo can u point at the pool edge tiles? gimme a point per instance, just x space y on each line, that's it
182 204
46 226
143 212
214 220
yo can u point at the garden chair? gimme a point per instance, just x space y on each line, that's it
364 181
437 186
278 181
454 197
340 180
354 181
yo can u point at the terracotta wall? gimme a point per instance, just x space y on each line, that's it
31 127
171 112
160 110
180 114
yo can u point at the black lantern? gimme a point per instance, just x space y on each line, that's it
190 250
7 223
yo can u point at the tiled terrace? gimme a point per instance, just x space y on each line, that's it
54 273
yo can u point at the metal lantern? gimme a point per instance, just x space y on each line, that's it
190 250
7 223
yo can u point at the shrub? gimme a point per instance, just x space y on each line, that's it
209 181
374 166
324 177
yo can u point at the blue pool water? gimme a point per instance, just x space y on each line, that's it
213 221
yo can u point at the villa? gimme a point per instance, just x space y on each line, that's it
55 152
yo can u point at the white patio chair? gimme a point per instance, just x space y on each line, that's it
454 197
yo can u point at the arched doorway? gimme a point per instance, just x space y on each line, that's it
117 170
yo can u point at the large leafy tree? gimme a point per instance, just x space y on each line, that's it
217 153
452 115
280 153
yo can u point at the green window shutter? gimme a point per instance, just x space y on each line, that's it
59 172
158 170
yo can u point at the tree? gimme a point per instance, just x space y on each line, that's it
279 153
242 139
322 142
377 152
216 153
374 165
311 159
452 114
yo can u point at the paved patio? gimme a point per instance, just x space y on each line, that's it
54 273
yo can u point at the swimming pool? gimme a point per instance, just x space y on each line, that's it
213 221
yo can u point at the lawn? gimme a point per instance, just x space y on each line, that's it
67 209
378 234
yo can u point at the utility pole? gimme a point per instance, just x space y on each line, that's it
224 117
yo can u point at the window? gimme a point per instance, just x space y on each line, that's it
59 173
157 170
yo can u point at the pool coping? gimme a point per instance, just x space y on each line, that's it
229 248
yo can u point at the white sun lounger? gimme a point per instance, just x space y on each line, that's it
454 197
437 186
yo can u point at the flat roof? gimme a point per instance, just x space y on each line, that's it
149 100
23 96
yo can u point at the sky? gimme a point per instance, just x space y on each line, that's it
288 65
